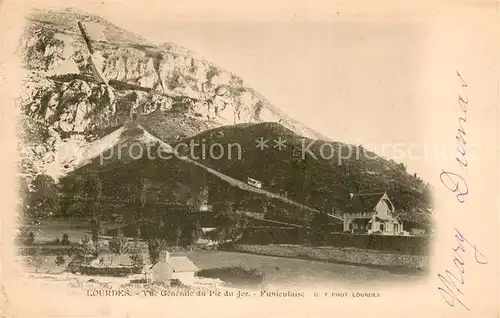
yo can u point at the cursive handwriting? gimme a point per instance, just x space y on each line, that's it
453 280
453 181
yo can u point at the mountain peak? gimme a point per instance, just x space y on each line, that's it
87 76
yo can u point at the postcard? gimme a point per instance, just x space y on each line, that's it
249 159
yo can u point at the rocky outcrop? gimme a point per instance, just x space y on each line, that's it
64 96
55 47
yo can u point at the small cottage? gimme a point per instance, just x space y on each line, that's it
372 213
173 267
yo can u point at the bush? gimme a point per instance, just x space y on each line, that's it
274 235
319 229
31 239
415 245
72 251
65 239
176 283
84 248
118 244
190 232
98 230
60 260
85 240
136 257
155 245
230 224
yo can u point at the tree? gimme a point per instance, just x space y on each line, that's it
190 231
155 246
81 195
69 202
89 192
85 248
91 186
42 199
118 244
24 191
31 239
135 188
98 230
229 222
85 240
65 239
319 228
137 257
138 233
60 260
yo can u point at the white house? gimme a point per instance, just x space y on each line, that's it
372 213
173 267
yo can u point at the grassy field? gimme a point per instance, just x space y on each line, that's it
276 271
297 272
273 270
49 230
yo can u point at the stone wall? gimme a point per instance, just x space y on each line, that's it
339 255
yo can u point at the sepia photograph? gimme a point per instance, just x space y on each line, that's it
169 154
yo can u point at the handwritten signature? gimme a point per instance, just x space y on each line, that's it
451 180
452 282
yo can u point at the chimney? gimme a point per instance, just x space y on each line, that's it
164 256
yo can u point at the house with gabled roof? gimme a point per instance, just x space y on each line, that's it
372 213
173 267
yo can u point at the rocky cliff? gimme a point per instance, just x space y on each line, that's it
65 104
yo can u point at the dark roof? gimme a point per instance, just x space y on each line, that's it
362 221
386 218
364 202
